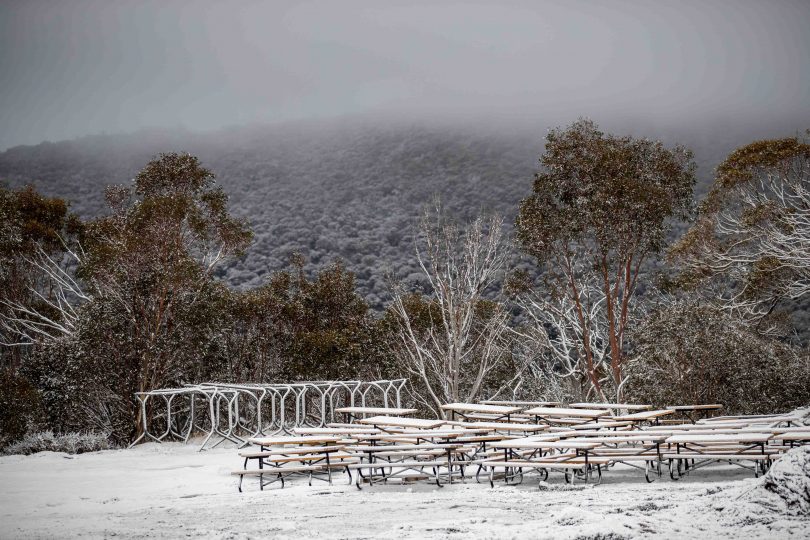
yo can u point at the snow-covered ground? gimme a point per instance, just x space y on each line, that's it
173 491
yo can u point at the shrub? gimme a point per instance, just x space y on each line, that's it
70 443
692 353
20 406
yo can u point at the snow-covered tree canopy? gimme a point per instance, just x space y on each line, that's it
752 238
599 207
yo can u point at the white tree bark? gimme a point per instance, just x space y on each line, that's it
454 356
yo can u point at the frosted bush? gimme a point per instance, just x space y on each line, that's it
69 443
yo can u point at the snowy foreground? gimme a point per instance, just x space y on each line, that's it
173 491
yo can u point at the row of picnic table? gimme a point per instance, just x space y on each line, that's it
514 439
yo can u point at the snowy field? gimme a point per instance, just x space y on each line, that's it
173 491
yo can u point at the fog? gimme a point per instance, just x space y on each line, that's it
70 68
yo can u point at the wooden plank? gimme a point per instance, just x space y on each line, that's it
500 426
709 407
481 408
336 431
687 438
421 423
541 445
376 410
522 403
651 438
560 412
645 415
607 406
281 441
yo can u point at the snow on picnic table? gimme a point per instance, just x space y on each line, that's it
170 490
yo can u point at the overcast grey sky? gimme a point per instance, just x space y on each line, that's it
71 68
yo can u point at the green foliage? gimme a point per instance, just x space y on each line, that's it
19 406
598 209
614 193
690 353
296 328
28 222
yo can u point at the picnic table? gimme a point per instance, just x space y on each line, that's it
400 461
463 409
695 450
355 412
692 411
513 463
316 454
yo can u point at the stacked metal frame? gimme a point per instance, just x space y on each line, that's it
234 412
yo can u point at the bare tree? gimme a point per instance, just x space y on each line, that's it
750 247
452 342
54 314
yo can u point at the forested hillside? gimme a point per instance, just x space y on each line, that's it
351 190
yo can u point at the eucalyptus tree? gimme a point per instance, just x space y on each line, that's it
152 311
750 246
598 209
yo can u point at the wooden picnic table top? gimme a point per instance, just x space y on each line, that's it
500 426
522 403
650 437
305 440
560 412
698 427
404 447
542 445
481 408
603 424
752 418
793 435
422 434
421 423
644 415
707 407
607 406
336 430
387 411
686 438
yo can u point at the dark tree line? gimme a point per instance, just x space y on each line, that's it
98 308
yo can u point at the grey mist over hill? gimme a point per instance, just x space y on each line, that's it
349 189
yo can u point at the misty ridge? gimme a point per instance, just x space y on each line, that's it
349 189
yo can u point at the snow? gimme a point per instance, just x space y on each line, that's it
171 490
